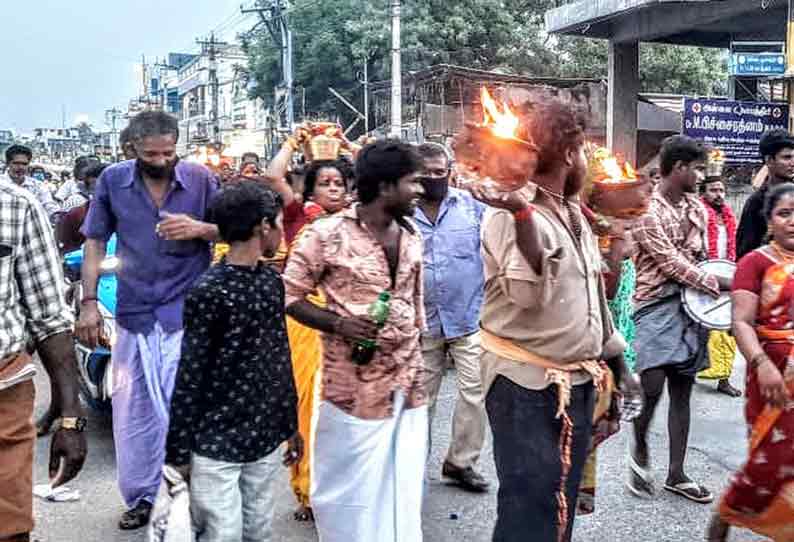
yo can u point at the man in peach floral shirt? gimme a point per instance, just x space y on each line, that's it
370 430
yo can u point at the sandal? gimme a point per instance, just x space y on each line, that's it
692 491
724 387
137 517
640 480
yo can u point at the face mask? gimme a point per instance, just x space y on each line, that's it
38 176
436 188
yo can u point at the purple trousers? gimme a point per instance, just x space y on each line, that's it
144 371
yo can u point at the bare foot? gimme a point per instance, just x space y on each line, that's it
304 513
718 530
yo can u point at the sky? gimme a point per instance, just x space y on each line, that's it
85 55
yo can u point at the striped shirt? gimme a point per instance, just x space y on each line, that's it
670 241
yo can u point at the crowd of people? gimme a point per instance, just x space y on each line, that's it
251 331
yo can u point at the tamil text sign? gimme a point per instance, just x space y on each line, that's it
733 127
758 64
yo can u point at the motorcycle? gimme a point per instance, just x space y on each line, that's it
94 365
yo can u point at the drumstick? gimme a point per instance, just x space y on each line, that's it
717 306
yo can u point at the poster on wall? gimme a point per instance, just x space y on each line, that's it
733 127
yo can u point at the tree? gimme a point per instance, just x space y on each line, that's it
663 68
334 38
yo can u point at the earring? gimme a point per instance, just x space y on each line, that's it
770 231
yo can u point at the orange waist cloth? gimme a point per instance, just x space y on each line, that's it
555 373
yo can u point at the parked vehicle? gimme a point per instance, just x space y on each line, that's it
95 371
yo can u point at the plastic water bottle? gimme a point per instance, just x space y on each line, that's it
364 351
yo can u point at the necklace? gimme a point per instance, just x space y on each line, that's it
554 195
785 255
573 218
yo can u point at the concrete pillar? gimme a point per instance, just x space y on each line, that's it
624 85
790 63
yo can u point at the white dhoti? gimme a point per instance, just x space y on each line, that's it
368 475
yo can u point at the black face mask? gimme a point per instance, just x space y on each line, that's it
157 172
436 188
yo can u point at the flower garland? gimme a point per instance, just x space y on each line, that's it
729 219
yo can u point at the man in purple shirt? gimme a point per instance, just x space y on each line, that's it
157 207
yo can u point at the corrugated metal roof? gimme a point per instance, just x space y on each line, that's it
673 102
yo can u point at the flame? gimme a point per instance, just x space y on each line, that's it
610 169
503 123
205 156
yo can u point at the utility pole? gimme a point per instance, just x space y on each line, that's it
278 25
365 82
396 72
144 86
211 49
111 116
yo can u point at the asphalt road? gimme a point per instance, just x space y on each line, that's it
717 448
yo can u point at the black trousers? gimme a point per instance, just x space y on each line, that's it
526 441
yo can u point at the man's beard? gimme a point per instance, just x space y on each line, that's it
157 172
717 205
573 184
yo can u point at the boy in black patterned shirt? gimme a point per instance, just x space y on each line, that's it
234 402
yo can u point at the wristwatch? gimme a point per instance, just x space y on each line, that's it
74 424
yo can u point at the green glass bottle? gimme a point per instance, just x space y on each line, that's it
364 351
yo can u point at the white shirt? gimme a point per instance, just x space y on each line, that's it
68 189
38 189
722 242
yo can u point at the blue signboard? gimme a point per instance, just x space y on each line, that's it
733 127
758 64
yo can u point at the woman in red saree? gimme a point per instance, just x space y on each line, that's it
761 495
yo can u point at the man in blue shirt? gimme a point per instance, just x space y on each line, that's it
449 220
157 207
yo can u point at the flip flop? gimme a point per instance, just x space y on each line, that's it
692 491
644 489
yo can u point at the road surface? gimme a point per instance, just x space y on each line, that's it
717 448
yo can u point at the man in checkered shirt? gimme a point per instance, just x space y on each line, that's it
670 346
32 306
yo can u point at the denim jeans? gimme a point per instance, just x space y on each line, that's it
526 441
232 502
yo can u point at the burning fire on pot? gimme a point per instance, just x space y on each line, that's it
497 150
614 187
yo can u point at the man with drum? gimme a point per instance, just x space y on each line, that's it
670 346
777 150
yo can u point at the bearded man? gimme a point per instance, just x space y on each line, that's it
156 206
545 328
720 245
